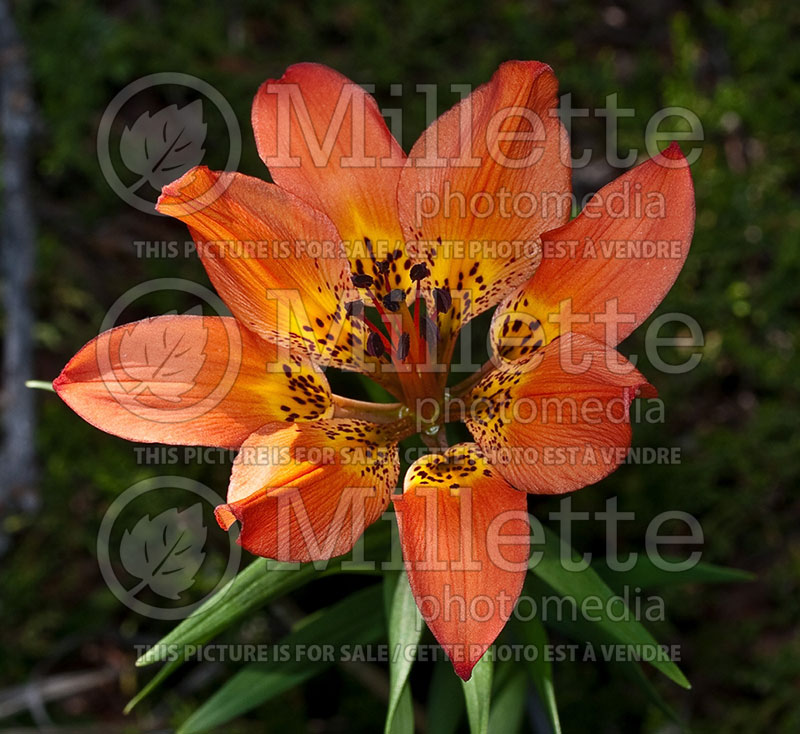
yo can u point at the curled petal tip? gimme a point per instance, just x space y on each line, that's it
308 491
173 189
224 517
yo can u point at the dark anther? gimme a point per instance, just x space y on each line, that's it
419 272
393 299
390 305
429 330
383 266
403 346
354 307
362 280
375 346
443 299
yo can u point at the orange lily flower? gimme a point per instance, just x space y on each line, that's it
361 258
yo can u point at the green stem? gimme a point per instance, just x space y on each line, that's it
366 411
39 385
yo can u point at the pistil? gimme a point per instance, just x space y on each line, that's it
406 345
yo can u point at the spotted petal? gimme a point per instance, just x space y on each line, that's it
324 139
605 272
559 420
277 263
465 538
483 182
191 380
306 492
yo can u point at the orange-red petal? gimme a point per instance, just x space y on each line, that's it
609 267
306 492
190 380
465 538
483 182
559 420
278 263
325 140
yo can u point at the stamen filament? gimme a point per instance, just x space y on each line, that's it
417 310
375 330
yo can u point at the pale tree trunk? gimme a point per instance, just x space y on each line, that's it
18 239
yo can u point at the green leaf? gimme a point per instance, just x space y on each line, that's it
646 575
445 700
534 634
591 633
405 627
252 588
257 584
478 695
635 673
585 584
163 673
508 700
403 718
357 620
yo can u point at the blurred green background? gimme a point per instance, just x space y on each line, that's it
735 417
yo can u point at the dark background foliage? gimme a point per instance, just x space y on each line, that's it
734 417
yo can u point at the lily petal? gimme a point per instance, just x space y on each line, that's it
465 538
307 492
324 139
277 263
559 420
611 266
189 380
483 182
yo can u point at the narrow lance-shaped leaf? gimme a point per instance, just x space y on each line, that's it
405 629
253 587
445 700
647 575
478 695
508 699
357 620
403 718
592 634
163 673
634 672
249 590
532 633
580 585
